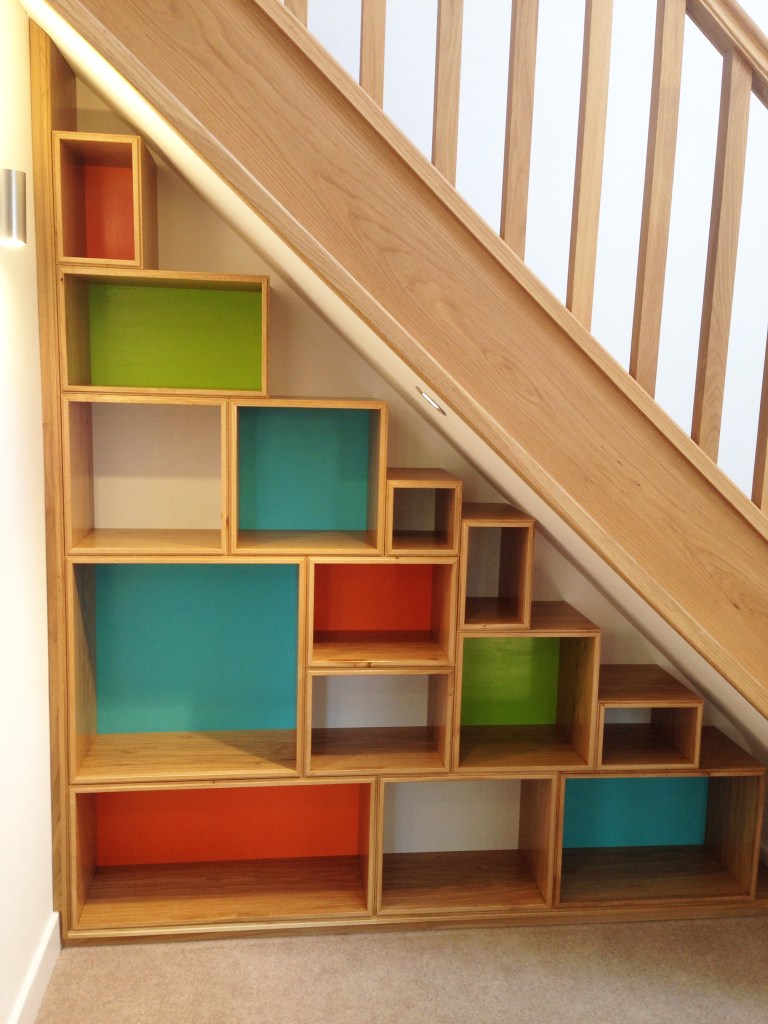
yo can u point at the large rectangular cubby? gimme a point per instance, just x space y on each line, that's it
153 330
144 475
379 721
654 839
309 476
382 612
527 700
467 846
105 200
221 855
185 670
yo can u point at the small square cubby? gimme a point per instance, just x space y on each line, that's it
646 719
144 476
468 845
161 857
662 838
528 701
382 612
496 568
423 512
156 330
106 203
309 477
184 671
379 721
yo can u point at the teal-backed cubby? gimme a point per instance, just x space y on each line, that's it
186 664
153 330
309 477
526 701
654 838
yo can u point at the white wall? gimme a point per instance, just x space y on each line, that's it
28 934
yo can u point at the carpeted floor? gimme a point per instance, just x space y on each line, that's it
703 972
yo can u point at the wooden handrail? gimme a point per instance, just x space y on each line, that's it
454 303
728 27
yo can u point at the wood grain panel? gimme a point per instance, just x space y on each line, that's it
396 243
657 195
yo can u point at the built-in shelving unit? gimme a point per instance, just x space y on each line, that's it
300 688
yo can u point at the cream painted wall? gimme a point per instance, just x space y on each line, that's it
28 939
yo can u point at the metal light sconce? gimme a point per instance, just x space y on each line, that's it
13 208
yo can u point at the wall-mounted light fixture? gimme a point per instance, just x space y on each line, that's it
430 400
13 207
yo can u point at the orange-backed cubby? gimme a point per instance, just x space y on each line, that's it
219 855
382 612
105 200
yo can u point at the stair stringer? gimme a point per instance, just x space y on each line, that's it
398 249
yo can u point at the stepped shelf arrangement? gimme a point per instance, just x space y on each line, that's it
331 701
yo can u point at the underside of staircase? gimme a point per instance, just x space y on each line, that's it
305 148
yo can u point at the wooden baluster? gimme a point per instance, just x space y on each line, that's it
657 196
298 8
517 146
445 130
589 158
760 478
372 31
721 257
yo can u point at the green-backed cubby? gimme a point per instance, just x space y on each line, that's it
155 330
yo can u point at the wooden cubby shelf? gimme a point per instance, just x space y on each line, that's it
444 866
294 688
163 493
384 612
391 723
497 565
165 857
423 512
646 719
154 330
309 477
184 670
659 838
105 200
527 700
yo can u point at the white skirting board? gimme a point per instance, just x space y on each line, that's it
33 989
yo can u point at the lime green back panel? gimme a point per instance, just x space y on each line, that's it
158 337
510 681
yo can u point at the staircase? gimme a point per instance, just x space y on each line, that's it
312 154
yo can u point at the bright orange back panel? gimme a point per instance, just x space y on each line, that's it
108 212
193 825
375 598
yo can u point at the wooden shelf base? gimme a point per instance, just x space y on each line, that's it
298 542
493 613
226 892
643 874
516 747
185 756
105 541
464 881
640 745
364 650
402 749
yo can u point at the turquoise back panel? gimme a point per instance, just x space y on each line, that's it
635 812
303 469
196 647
